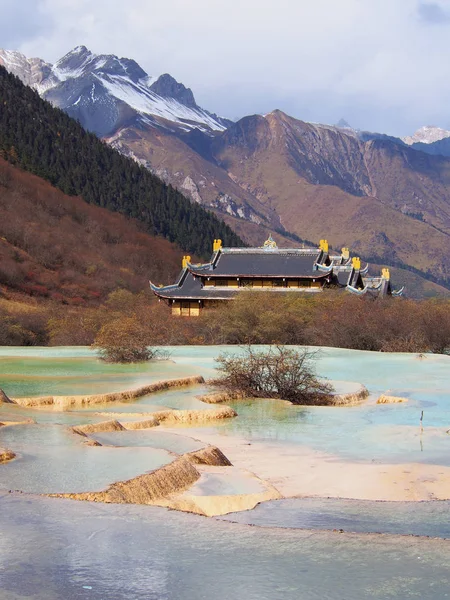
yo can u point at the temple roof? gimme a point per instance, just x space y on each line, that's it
190 288
271 262
256 262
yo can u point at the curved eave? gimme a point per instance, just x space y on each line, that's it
202 267
365 270
324 268
162 291
354 290
398 292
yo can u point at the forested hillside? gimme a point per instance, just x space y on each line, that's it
59 255
45 141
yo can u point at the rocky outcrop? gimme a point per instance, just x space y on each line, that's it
174 417
168 87
6 455
384 399
145 424
148 488
219 397
89 428
11 423
65 402
170 486
211 455
348 399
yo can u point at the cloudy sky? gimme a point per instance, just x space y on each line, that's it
381 64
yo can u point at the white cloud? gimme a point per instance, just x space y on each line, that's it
381 64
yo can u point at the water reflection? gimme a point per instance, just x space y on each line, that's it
133 552
359 516
51 459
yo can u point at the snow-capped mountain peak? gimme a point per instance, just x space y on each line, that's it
32 71
104 91
80 62
427 135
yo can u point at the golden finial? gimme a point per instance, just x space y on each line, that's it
356 262
323 245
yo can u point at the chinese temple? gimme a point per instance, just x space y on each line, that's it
268 268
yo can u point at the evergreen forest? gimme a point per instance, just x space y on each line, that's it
43 140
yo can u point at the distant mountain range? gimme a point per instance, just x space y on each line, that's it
386 197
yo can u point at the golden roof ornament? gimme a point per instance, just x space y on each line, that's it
270 243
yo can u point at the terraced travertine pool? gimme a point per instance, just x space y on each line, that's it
126 551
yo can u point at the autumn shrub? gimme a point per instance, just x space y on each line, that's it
124 340
23 328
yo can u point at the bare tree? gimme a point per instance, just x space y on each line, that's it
279 372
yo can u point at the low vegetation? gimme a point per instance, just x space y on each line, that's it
124 340
328 319
279 372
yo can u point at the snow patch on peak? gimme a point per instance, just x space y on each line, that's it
78 50
143 100
33 72
427 135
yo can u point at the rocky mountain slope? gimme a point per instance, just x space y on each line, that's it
373 192
365 194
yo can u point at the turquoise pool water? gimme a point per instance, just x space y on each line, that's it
384 433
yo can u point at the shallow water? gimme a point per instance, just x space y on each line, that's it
50 459
71 371
52 549
149 438
184 398
358 516
228 483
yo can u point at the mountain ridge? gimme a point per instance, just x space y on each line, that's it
273 171
45 141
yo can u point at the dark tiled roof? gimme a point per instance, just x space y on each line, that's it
258 263
343 276
263 264
190 288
